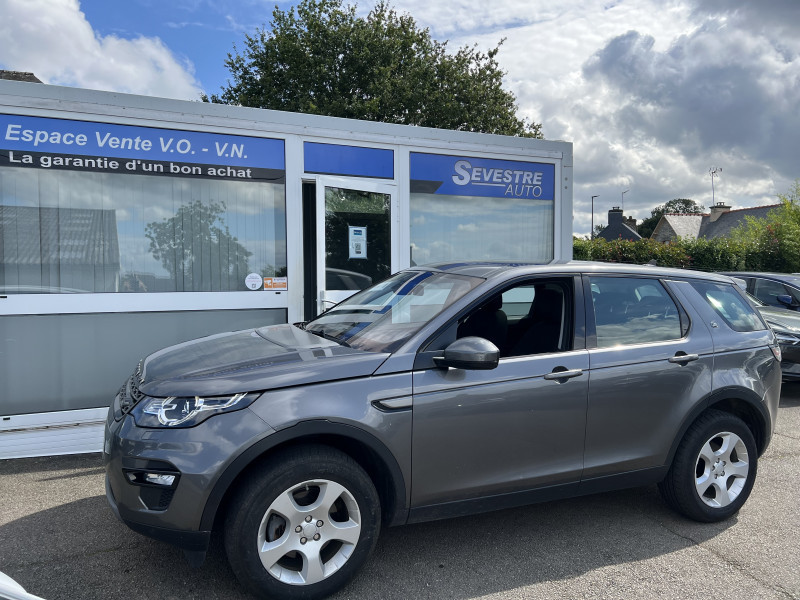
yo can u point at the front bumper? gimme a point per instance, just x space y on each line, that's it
195 457
192 541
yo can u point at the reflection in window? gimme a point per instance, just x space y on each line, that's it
729 305
633 311
383 317
369 212
445 228
70 231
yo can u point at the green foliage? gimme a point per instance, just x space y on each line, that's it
626 251
679 206
770 244
320 58
775 241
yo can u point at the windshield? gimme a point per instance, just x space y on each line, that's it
383 317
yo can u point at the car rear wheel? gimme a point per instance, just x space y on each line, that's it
304 526
714 468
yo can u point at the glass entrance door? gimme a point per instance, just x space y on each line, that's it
355 228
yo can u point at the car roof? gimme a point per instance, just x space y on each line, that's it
492 269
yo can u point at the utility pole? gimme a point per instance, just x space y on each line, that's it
591 234
622 205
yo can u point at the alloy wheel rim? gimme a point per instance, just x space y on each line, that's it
309 532
722 469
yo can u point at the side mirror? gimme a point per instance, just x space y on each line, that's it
469 353
786 300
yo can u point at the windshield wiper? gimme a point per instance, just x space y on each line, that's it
328 336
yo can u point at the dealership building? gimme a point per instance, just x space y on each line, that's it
130 223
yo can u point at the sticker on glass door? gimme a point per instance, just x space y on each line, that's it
357 239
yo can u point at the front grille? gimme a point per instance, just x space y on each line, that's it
129 394
136 395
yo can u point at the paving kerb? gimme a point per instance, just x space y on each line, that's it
59 539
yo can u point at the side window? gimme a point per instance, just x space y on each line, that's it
768 291
729 305
629 310
533 317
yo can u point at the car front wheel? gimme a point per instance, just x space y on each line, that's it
714 468
304 526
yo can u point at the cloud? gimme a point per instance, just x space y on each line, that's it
651 93
53 39
714 90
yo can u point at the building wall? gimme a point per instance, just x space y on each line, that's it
79 361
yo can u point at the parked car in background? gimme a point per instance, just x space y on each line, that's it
773 289
443 391
786 325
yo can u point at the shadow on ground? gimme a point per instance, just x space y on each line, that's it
78 550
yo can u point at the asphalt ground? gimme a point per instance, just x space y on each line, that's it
59 539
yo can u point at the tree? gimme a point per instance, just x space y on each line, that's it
321 58
676 206
197 249
776 238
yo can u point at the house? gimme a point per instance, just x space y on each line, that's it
719 222
619 227
19 76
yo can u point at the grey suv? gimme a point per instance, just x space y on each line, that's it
445 390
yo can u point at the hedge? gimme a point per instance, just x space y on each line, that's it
718 254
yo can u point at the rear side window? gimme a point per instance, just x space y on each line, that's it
729 305
631 310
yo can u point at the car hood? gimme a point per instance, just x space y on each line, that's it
781 316
252 360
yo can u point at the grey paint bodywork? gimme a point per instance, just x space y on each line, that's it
447 441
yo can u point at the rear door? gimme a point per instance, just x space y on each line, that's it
651 360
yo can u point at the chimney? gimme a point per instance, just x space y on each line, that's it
615 216
718 210
630 222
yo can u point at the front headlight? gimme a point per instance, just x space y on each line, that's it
187 411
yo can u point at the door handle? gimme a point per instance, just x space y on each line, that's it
565 374
682 358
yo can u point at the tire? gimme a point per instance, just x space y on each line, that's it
714 468
303 525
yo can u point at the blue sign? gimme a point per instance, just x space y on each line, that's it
337 159
470 176
45 136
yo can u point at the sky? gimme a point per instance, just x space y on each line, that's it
652 93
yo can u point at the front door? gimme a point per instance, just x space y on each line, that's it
356 223
517 428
